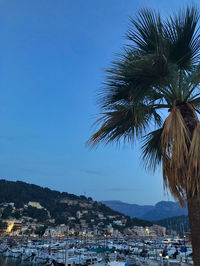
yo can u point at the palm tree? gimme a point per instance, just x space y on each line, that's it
159 70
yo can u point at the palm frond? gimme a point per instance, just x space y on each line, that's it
195 102
183 39
151 149
123 122
146 32
136 78
191 84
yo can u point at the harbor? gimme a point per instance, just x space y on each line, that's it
113 252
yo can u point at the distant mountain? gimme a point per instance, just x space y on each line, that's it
165 209
162 210
132 210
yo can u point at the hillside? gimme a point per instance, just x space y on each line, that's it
162 210
27 201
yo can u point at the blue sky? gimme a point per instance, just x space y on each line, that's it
52 60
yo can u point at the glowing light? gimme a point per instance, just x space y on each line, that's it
10 227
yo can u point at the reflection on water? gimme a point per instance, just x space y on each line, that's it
14 262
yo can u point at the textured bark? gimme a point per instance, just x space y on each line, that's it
189 115
194 218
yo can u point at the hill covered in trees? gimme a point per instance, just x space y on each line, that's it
21 200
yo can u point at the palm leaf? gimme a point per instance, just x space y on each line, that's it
183 39
124 122
137 79
151 149
191 84
195 102
146 32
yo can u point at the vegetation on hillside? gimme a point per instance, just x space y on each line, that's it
61 207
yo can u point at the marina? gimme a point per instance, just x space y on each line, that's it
113 252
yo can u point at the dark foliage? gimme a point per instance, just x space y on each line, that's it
21 194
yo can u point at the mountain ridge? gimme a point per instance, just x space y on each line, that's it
161 210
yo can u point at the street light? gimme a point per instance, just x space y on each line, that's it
161 259
167 257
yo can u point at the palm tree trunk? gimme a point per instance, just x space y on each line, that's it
193 199
194 218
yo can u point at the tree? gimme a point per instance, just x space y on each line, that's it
7 212
40 214
159 70
40 230
17 215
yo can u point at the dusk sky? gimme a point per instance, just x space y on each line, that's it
52 59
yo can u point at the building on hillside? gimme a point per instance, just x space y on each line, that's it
101 216
118 222
110 229
7 204
35 204
159 230
57 231
78 214
71 218
140 231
